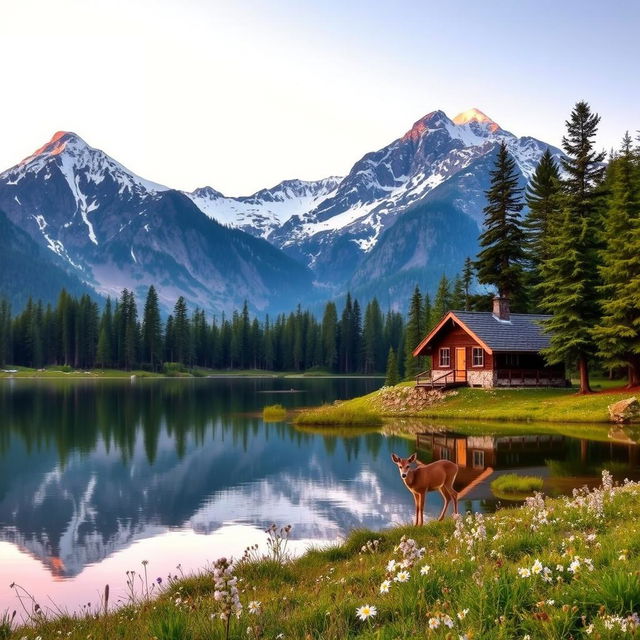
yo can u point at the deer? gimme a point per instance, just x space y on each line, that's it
438 475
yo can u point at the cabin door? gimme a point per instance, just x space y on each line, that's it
460 374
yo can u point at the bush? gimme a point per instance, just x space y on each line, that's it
335 415
274 413
515 485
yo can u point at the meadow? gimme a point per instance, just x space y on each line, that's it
561 568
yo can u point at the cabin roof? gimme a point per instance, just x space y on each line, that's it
522 332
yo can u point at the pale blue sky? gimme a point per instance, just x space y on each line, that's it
242 95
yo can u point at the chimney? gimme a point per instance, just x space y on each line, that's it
501 308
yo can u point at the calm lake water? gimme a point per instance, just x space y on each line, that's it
97 476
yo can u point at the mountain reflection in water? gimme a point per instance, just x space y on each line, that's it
97 476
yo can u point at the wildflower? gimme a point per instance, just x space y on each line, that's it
575 565
462 614
391 566
537 567
424 570
434 623
255 607
523 572
560 568
366 611
384 587
448 622
226 589
402 576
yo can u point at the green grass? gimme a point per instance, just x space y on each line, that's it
487 582
521 405
343 414
274 413
515 486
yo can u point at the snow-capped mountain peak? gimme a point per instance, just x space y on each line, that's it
268 209
73 156
475 115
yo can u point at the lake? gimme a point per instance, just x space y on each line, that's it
97 476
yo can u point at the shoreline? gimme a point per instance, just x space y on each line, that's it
578 583
511 405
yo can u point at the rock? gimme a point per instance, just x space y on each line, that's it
625 410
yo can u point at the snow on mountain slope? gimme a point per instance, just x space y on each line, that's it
267 209
385 183
115 230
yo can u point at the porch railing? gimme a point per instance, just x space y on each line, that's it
529 376
425 379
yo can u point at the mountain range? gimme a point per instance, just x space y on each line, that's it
404 214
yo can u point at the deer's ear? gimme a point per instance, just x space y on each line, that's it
411 458
395 458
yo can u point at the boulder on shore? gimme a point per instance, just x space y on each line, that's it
625 410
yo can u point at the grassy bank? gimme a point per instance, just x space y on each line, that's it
564 568
540 405
13 371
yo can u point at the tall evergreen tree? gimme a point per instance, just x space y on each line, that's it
543 197
442 301
372 338
6 350
501 257
413 334
104 351
393 377
467 281
182 345
152 342
330 336
570 272
618 333
346 341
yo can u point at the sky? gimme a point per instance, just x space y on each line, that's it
241 95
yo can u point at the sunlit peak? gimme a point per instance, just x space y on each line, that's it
475 115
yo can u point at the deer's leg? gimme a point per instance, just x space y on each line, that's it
421 497
445 497
416 499
454 496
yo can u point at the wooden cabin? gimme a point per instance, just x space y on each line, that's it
488 349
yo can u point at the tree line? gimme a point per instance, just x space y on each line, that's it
575 253
76 332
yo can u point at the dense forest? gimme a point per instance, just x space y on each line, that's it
575 253
567 245
75 332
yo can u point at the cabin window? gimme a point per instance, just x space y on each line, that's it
478 357
512 359
445 357
478 459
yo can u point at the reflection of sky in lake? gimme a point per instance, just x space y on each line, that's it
96 478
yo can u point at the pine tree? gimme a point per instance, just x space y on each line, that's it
372 338
346 340
457 295
6 350
467 281
392 377
182 345
413 335
442 302
152 343
618 333
330 336
543 197
104 351
570 272
501 257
